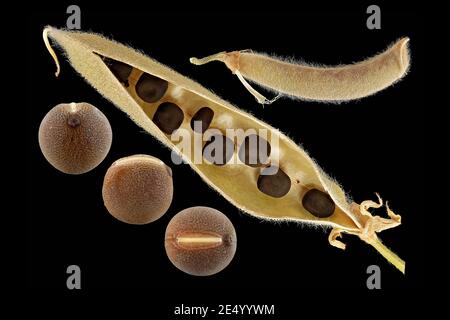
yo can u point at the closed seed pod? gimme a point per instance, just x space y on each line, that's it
203 118
138 189
75 137
200 241
308 82
238 183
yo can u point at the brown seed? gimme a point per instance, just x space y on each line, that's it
318 203
274 185
204 116
168 117
138 189
150 88
200 241
75 137
254 151
120 70
218 143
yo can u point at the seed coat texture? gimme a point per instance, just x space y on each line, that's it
307 82
200 241
138 189
237 182
75 137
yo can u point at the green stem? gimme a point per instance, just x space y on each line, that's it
387 253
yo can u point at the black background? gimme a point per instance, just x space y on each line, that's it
372 145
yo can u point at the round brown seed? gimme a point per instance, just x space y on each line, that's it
318 203
138 189
218 143
275 185
200 241
204 116
120 70
254 151
75 137
168 117
150 88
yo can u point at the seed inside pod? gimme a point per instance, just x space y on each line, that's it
318 203
204 116
218 150
120 70
200 241
254 151
168 117
150 88
138 189
274 185
75 137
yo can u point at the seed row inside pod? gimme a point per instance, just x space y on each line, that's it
164 102
169 109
